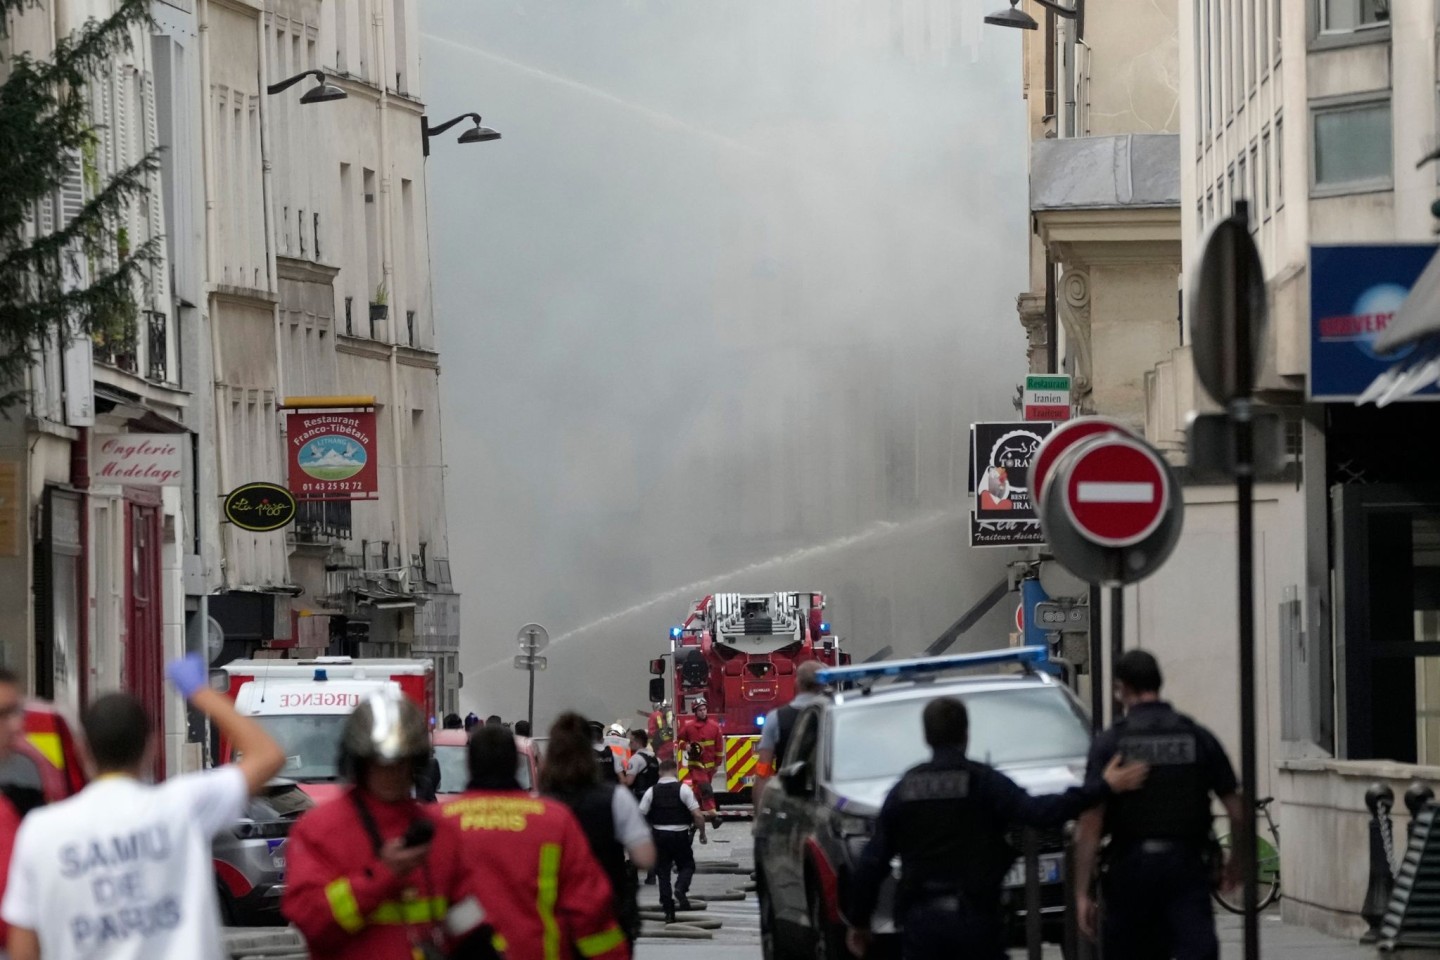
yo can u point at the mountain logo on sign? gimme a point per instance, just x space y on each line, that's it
332 457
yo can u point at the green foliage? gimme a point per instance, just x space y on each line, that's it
46 134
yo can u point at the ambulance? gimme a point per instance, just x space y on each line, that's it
304 703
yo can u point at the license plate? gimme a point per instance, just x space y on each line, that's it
277 853
1050 868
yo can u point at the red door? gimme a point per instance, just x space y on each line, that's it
144 620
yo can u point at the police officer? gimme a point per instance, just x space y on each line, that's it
1158 877
775 735
947 820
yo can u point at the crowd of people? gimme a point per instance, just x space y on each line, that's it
124 869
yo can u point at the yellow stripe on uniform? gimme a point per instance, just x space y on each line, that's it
410 912
598 943
343 905
49 745
549 892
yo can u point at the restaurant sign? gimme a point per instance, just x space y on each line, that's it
332 455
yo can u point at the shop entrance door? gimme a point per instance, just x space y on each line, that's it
1386 562
144 635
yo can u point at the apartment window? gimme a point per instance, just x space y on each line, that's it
1251 25
1352 145
1275 6
1265 172
300 230
349 316
316 235
1209 206
1279 162
1344 16
1227 49
285 219
1207 51
1230 193
410 326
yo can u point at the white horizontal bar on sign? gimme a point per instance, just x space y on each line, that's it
1095 491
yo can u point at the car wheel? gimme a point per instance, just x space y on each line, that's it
828 940
768 948
227 908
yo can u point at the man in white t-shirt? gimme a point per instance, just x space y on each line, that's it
123 870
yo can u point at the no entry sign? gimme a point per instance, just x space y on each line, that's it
1062 438
1116 491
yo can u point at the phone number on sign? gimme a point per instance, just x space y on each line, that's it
333 486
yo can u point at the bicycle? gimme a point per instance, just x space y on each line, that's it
1267 866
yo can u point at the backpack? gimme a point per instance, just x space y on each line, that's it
648 777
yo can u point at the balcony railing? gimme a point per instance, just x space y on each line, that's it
317 520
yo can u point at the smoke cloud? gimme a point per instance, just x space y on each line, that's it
716 314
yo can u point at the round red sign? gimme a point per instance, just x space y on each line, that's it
1062 438
1116 491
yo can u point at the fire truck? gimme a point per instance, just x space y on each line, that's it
739 652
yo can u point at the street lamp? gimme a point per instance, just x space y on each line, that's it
1020 20
322 92
479 134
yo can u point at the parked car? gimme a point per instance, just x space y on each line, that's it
844 755
250 858
449 746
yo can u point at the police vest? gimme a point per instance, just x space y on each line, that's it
1174 804
593 807
606 760
666 807
948 840
648 777
784 723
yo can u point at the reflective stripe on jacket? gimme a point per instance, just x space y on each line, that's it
544 891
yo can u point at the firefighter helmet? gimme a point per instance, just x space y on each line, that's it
387 727
618 729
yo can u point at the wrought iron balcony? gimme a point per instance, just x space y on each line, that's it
319 520
157 346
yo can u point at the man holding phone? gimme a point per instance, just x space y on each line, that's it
371 876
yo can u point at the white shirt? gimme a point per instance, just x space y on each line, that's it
123 870
636 766
630 826
687 797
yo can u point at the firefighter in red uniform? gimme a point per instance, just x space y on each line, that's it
370 876
700 738
661 726
546 895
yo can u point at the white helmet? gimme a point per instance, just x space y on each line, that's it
618 729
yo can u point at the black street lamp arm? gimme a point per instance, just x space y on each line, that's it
289 82
436 131
1069 13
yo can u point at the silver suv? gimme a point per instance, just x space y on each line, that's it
845 753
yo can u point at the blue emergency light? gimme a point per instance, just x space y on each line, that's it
824 629
320 674
760 720
675 633
920 666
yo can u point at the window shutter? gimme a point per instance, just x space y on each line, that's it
72 190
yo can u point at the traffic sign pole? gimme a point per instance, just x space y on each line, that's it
532 639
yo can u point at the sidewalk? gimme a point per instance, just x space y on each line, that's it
1280 941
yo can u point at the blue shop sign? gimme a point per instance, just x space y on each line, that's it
1354 292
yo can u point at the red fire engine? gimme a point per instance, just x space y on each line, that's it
739 652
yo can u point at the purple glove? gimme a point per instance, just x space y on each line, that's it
189 674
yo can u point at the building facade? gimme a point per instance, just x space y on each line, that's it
294 264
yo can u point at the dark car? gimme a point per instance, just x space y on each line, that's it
250 858
846 752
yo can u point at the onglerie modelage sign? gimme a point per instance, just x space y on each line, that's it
332 455
137 459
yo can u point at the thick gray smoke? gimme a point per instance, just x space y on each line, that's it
716 314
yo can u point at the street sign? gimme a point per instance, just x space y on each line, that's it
532 638
1062 438
1227 310
1101 534
1116 491
524 662
1047 397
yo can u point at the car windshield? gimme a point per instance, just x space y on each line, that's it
454 772
883 740
311 744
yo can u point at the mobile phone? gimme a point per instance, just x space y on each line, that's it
419 833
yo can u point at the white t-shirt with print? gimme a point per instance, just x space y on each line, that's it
123 870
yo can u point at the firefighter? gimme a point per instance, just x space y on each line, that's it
370 876
661 727
618 740
1158 864
531 862
946 820
700 738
